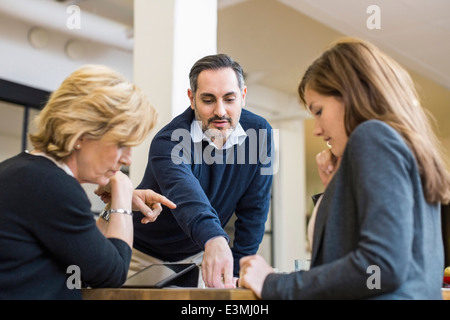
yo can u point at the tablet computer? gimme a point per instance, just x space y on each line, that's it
158 275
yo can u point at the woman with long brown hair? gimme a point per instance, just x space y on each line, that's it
376 229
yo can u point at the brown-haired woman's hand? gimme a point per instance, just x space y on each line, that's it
253 273
327 165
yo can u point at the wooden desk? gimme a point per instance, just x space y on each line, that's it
180 294
446 293
168 294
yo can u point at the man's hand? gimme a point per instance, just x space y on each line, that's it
217 265
254 271
150 204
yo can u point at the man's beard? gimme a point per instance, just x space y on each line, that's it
218 135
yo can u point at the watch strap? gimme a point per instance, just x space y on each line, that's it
105 214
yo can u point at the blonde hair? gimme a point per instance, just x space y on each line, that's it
95 101
374 86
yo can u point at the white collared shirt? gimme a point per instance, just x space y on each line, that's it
237 136
312 222
60 164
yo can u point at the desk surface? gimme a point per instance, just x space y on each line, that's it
180 294
446 293
168 294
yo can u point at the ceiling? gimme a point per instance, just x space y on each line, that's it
117 10
417 32
276 40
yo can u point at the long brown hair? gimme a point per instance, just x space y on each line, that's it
374 86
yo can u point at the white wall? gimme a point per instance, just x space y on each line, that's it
45 68
169 37
289 225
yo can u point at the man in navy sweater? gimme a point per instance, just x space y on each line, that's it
213 160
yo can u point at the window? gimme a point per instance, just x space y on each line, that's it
19 104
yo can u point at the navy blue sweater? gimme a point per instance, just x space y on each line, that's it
208 186
46 225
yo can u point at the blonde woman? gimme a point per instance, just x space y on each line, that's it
84 134
377 231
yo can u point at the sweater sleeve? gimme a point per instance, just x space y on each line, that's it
65 225
171 160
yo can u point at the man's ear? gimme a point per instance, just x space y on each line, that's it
244 95
191 98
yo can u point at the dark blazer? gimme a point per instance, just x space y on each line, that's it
375 235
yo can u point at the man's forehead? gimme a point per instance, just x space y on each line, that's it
213 95
224 80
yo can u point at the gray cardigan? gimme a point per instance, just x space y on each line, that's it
375 236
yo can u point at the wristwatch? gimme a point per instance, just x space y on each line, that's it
105 214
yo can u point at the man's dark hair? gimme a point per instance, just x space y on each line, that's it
217 61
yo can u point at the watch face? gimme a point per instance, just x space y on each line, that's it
105 215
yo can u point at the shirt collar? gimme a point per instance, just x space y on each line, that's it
237 137
60 164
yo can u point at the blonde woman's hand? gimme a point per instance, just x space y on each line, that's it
104 192
118 194
119 184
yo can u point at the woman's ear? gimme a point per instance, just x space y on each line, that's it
78 144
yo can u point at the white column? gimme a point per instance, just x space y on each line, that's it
289 183
169 36
289 193
195 36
